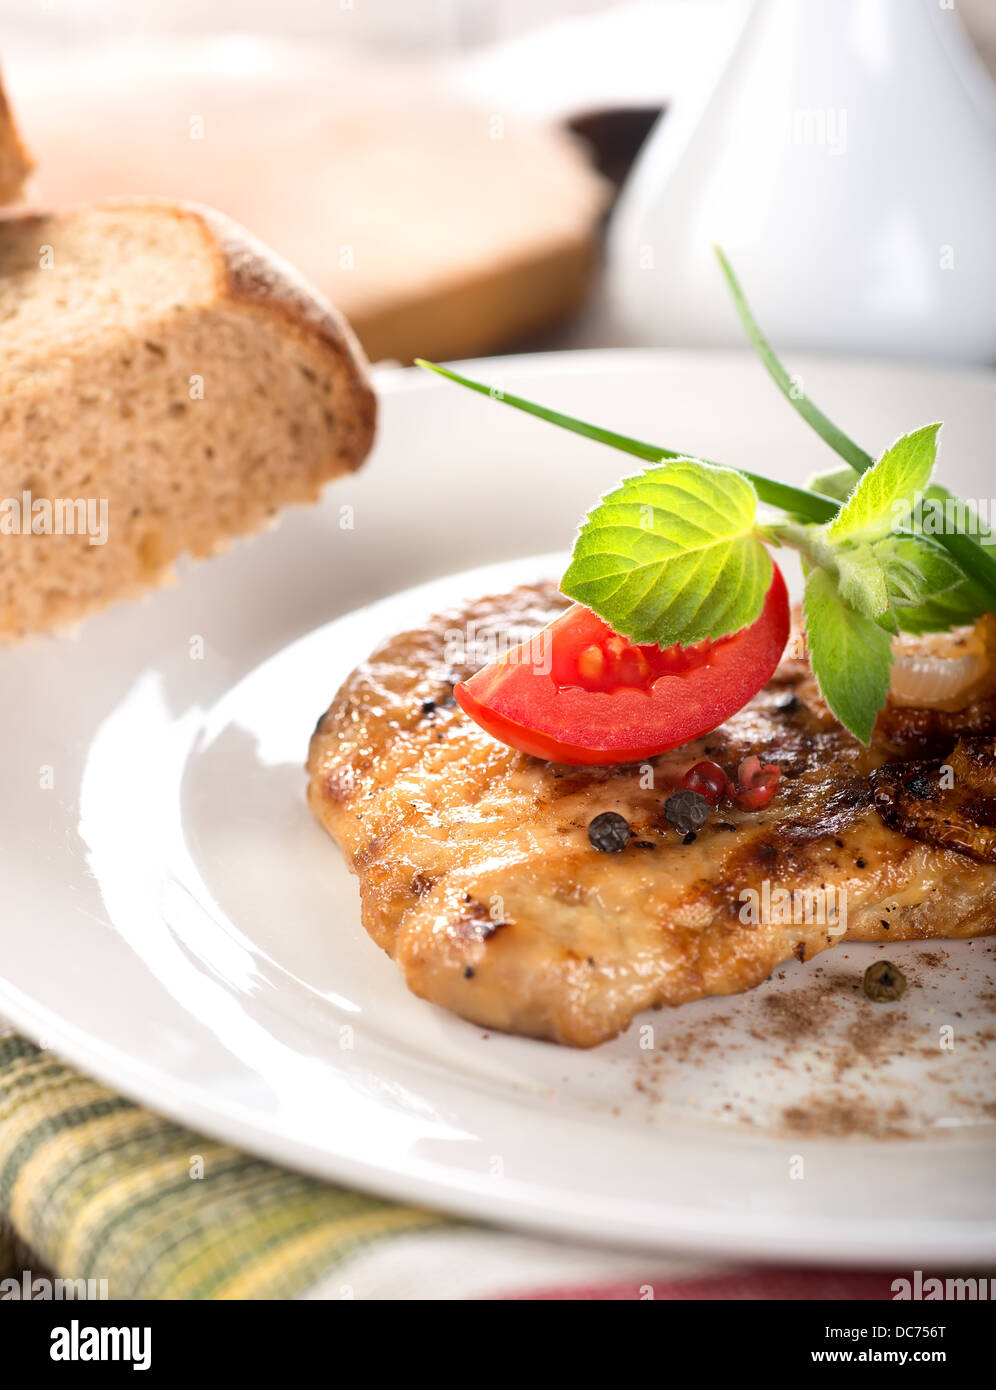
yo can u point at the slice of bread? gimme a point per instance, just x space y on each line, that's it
163 371
15 165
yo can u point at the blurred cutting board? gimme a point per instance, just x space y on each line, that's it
441 229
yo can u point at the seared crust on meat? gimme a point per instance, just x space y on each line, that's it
478 878
948 802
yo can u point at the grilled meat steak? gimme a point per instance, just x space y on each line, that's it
478 877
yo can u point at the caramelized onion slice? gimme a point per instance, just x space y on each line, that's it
944 670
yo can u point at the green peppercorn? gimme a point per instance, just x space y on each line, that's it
884 982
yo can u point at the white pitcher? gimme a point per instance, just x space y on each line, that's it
845 159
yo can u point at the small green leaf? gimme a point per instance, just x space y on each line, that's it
862 581
916 568
896 576
851 655
837 483
887 488
941 612
949 597
671 555
928 592
977 561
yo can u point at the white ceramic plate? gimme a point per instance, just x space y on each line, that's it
174 921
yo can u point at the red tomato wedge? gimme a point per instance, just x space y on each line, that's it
579 693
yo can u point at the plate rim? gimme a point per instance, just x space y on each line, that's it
686 1230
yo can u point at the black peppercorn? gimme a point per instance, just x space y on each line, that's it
609 832
686 811
884 982
919 786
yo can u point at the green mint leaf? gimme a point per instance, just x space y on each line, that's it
955 608
887 488
837 483
851 655
897 574
916 568
948 597
862 581
672 555
928 592
977 562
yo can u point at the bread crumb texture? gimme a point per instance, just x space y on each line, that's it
159 364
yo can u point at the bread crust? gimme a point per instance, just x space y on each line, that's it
250 272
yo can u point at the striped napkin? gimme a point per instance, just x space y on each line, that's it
93 1187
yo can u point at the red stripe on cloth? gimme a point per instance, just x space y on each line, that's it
795 1284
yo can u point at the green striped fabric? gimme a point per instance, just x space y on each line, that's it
94 1187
